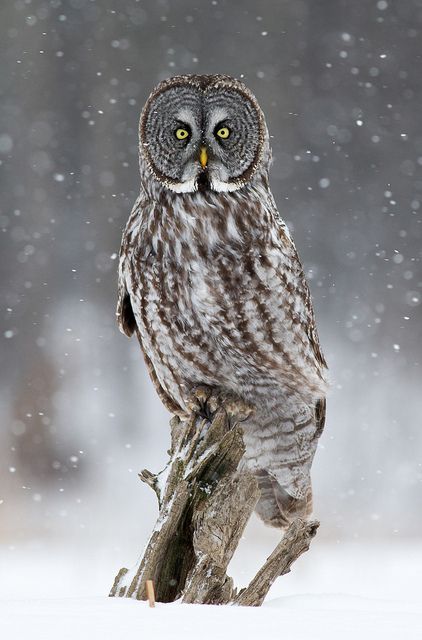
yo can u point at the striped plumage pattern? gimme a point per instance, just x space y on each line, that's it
212 285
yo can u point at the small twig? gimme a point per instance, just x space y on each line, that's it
150 592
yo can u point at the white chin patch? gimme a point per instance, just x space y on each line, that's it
191 185
219 185
183 187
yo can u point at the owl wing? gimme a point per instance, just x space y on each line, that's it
126 318
288 302
306 313
303 316
312 332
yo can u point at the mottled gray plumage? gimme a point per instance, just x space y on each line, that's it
210 280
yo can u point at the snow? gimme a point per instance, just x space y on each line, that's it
300 617
344 590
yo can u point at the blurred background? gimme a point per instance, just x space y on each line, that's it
341 86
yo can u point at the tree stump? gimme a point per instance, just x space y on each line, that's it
205 501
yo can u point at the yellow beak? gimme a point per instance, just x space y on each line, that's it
203 157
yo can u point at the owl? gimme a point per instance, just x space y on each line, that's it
211 283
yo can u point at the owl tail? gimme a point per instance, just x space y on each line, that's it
276 507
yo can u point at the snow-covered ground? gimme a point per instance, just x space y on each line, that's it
301 617
346 590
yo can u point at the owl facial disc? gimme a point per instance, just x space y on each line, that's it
202 132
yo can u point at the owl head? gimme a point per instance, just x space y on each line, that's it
202 132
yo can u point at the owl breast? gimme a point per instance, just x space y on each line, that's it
210 303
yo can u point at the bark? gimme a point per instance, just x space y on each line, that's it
295 541
205 502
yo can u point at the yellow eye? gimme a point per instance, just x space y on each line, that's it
182 134
223 132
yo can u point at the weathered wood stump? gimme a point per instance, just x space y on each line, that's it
205 501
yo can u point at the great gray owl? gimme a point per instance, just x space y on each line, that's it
210 280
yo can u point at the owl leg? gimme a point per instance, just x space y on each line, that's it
198 401
276 507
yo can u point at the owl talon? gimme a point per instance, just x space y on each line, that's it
213 404
197 403
206 402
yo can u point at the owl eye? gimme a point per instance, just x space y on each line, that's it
223 132
182 134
